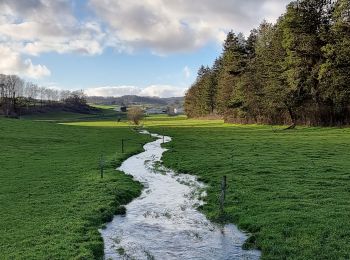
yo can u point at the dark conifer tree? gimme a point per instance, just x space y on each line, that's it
294 71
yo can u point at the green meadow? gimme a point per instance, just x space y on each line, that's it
52 197
289 189
103 112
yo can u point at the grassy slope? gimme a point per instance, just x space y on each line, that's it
104 113
290 189
51 195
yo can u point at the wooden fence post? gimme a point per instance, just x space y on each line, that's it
223 193
101 166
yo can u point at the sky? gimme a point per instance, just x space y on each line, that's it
119 47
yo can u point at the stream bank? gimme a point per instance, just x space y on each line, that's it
164 223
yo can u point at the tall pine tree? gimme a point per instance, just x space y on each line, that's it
335 72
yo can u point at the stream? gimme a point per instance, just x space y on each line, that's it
164 223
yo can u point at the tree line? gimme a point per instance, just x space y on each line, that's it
296 71
18 97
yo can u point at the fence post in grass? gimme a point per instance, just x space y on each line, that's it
122 145
101 166
223 193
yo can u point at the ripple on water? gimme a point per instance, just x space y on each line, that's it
163 222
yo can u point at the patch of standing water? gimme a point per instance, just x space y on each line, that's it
163 222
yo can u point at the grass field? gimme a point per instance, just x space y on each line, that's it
103 113
52 197
289 189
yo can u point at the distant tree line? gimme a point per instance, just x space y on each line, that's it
20 97
296 71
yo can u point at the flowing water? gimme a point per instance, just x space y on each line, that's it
163 222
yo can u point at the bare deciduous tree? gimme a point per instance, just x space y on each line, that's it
16 95
135 114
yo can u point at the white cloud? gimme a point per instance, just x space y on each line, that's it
12 63
187 72
163 91
44 26
152 91
113 91
174 26
33 27
160 25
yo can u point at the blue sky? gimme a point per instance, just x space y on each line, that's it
142 68
116 47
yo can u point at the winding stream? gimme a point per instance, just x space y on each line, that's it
163 222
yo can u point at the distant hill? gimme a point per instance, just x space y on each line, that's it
135 100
